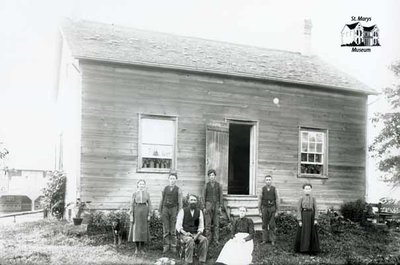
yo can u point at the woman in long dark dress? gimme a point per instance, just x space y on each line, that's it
140 215
307 240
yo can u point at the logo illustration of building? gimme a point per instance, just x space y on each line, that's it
358 35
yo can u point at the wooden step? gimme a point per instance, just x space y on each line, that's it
234 202
250 211
251 201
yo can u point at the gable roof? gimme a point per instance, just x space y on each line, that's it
369 28
352 26
110 43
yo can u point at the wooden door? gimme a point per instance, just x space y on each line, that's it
217 153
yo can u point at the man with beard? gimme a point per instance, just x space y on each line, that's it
190 225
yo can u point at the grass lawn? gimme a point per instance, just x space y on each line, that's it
51 242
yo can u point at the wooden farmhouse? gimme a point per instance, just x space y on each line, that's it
136 104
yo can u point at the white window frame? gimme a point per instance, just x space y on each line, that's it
324 153
175 141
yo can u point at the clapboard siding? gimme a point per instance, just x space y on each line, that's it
113 95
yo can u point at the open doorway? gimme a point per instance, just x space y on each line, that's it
240 156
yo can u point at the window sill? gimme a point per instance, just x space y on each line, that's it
312 176
154 170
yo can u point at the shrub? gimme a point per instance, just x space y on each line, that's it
122 215
54 194
353 210
98 223
101 222
286 223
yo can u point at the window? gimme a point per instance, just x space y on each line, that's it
157 143
313 153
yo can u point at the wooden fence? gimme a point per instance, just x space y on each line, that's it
14 215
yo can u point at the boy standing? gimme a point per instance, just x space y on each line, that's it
212 196
268 206
170 204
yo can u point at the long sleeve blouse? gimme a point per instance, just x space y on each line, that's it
306 202
243 225
140 197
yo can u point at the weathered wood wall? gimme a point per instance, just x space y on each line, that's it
114 94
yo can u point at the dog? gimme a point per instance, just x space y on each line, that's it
120 231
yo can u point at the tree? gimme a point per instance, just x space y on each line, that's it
386 146
54 194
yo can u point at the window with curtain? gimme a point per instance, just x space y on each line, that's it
157 143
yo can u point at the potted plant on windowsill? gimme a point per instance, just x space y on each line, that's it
79 208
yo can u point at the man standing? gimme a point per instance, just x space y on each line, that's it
171 202
212 196
268 206
190 225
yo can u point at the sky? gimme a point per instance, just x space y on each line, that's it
28 30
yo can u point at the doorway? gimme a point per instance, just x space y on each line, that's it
241 158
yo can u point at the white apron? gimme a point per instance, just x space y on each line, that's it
236 252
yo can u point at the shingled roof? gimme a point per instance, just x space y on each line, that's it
111 43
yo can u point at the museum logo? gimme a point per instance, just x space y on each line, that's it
360 36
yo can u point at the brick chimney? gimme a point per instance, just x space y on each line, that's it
307 47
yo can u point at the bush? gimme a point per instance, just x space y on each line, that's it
54 194
98 223
353 210
101 222
286 223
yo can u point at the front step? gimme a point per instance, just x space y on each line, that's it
234 202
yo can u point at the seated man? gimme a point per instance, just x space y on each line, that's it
239 249
190 225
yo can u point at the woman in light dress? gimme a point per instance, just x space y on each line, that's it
140 213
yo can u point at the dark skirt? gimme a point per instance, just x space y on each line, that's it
307 240
139 229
